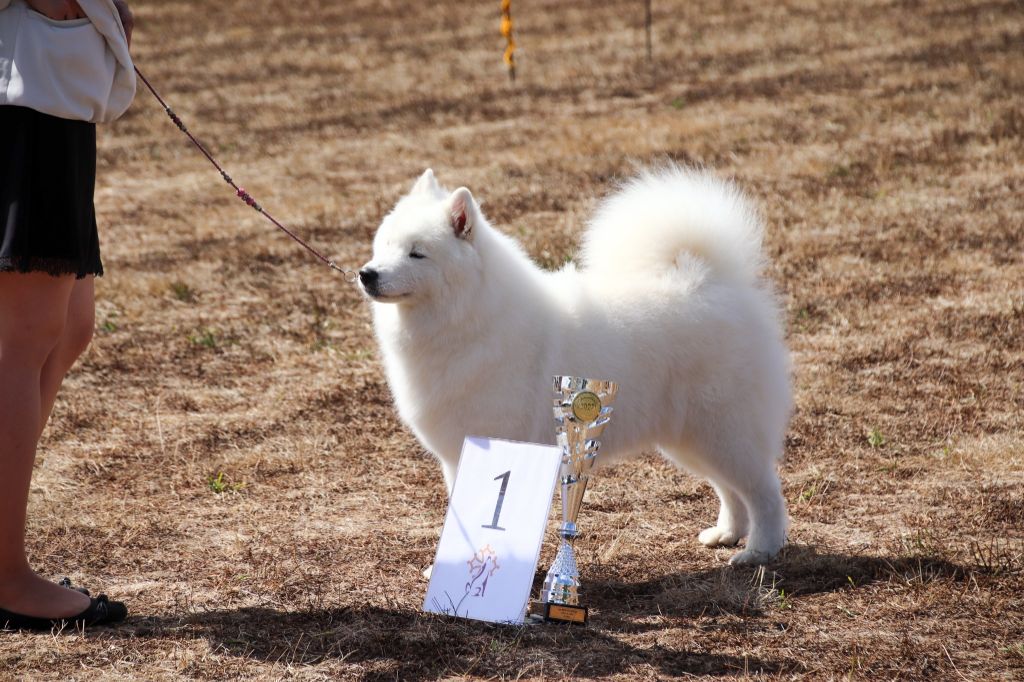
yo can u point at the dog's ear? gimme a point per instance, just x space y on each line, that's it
427 184
462 213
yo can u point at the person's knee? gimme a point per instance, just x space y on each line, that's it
33 336
79 326
33 317
78 331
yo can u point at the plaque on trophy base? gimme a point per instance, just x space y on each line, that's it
558 613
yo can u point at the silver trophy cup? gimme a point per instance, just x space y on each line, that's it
582 409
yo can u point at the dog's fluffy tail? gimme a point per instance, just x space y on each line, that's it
666 218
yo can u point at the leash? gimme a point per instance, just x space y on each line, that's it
350 275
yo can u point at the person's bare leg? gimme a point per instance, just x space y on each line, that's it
33 313
78 330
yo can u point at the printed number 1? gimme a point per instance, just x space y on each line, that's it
501 500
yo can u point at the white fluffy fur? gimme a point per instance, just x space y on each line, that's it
668 302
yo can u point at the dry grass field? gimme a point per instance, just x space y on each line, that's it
226 458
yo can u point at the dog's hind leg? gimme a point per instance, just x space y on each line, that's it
766 508
751 497
732 520
732 513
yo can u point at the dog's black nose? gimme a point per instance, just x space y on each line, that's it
368 277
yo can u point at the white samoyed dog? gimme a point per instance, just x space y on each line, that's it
667 300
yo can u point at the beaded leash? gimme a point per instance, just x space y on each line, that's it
350 275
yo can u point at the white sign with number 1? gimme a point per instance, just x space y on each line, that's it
492 535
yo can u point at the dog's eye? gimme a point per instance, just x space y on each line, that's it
416 254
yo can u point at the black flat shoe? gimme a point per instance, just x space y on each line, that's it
66 582
101 611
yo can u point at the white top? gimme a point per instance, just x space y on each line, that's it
78 69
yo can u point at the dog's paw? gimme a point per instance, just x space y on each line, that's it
750 557
716 537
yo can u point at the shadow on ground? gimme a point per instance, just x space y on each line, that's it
409 645
800 570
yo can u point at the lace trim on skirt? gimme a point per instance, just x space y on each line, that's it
56 267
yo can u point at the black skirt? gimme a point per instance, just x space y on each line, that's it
47 179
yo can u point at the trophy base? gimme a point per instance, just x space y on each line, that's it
546 612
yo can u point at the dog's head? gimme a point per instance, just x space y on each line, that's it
425 246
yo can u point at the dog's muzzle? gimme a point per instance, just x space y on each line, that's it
370 279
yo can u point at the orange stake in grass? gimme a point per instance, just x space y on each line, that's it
506 30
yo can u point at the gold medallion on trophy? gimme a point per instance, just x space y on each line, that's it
586 406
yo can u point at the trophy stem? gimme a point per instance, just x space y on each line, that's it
562 583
